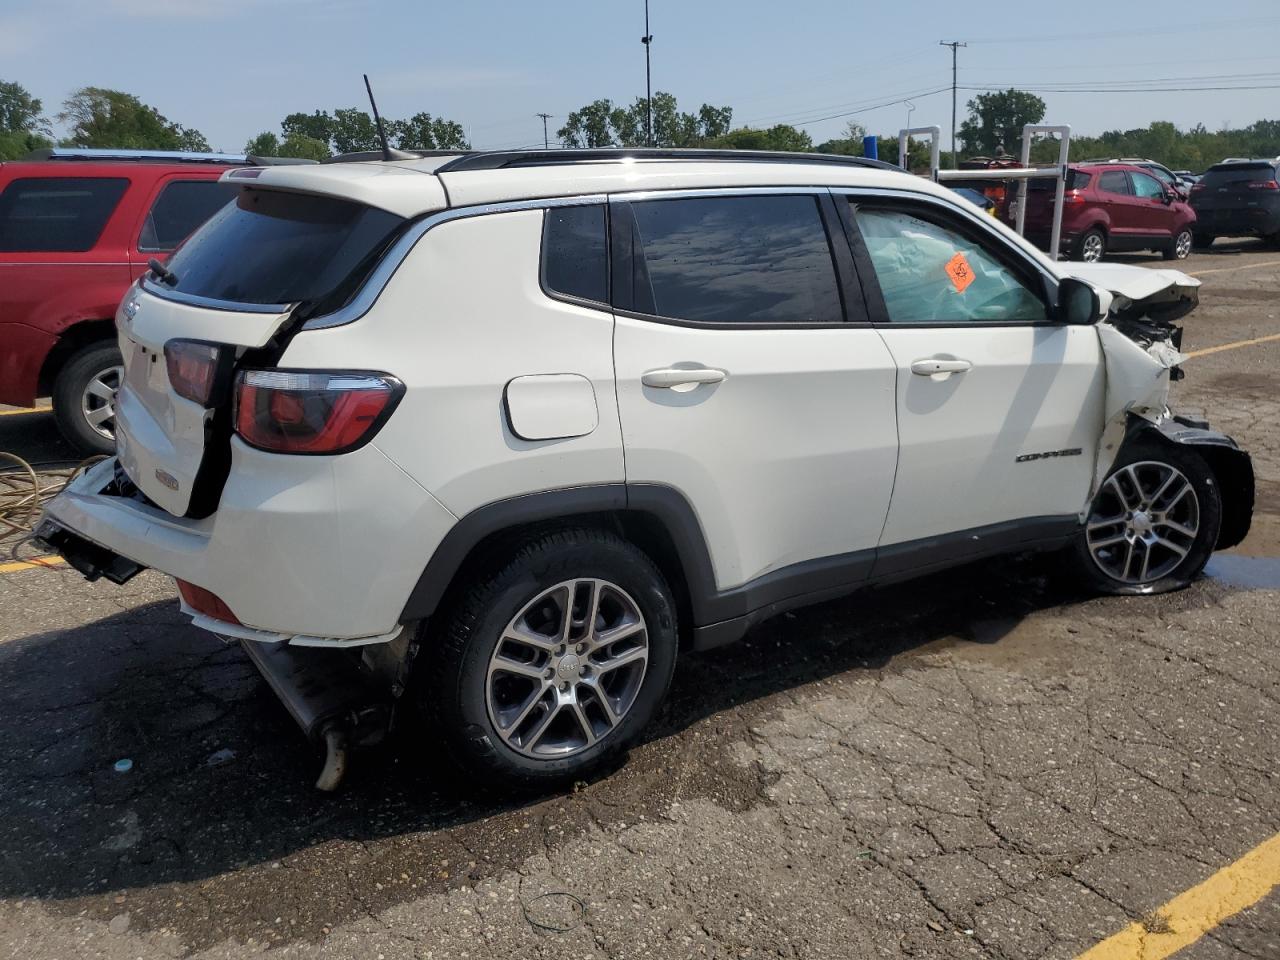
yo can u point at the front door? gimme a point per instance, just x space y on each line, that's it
1152 214
999 407
744 383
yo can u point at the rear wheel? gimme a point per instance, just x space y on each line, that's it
84 398
1202 241
1153 523
554 663
1091 247
1179 247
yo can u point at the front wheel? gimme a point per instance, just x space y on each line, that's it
1179 247
552 664
84 398
1153 523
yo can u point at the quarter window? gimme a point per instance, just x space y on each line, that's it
932 273
575 252
751 260
1114 181
181 207
57 214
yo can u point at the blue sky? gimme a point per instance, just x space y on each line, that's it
232 68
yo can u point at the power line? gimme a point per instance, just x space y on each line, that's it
1274 86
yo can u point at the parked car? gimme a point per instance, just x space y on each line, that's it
1110 207
512 430
1157 170
77 226
978 198
1238 198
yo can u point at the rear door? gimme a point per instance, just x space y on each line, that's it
234 284
742 384
999 407
1116 193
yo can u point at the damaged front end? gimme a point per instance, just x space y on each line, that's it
1141 347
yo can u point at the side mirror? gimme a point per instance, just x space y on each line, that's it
1078 302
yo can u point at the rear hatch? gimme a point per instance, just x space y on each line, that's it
230 296
1233 192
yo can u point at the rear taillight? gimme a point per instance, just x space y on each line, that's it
207 602
193 368
1073 196
291 411
1197 187
996 193
1264 185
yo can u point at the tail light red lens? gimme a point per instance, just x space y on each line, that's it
207 602
193 368
1073 196
1197 187
1264 185
315 412
995 193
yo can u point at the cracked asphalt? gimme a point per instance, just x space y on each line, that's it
980 764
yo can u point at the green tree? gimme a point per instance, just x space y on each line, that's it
354 130
425 132
602 124
782 136
850 144
22 128
98 117
317 126
589 127
301 146
998 118
265 144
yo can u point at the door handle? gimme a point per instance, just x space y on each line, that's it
934 365
670 377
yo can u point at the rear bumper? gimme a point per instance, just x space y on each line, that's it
1249 222
318 551
23 350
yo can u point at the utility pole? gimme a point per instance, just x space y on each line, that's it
546 142
953 44
647 40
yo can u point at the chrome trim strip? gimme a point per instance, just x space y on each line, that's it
377 281
685 193
208 303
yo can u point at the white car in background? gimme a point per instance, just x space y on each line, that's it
509 431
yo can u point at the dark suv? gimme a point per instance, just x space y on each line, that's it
1239 198
77 226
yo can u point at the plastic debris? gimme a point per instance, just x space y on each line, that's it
219 757
123 766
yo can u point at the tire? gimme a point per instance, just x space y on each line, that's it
497 699
1202 241
1091 247
1179 248
1107 552
80 395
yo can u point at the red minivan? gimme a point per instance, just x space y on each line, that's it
77 227
1109 207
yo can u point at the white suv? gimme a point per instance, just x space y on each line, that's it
513 429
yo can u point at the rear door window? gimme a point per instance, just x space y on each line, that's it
736 260
276 247
181 207
1114 181
57 214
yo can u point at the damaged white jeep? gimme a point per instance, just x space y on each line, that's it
505 432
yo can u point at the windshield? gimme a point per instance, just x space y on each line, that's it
276 247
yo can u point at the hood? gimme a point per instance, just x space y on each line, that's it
1132 286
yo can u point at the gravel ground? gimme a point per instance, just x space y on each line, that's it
980 764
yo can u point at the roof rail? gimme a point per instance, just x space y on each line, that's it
360 156
503 159
95 154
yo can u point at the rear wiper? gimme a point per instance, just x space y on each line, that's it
162 273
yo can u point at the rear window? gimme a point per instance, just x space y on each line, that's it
57 214
275 247
1076 180
1238 174
181 207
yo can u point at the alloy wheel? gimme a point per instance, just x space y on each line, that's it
1092 250
567 669
1182 246
98 401
1143 523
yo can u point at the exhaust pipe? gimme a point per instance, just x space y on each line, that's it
333 701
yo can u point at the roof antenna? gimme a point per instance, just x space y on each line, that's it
387 152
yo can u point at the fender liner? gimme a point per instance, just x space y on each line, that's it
1231 466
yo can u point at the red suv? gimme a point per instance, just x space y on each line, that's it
77 226
1110 206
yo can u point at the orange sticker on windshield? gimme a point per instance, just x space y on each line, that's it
960 272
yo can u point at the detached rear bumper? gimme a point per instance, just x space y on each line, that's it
320 552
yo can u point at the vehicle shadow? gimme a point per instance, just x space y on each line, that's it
220 790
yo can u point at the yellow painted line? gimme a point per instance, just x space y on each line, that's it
31 564
1234 346
1243 266
24 413
1190 915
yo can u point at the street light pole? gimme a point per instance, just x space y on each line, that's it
647 40
546 142
954 45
